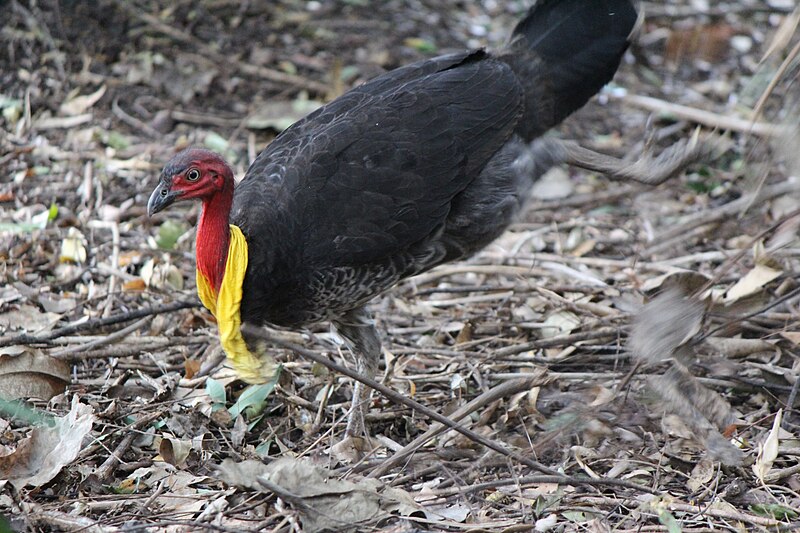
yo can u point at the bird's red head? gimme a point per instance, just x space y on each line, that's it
192 173
198 173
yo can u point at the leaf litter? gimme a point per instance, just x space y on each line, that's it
663 330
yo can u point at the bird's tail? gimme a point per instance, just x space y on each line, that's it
563 52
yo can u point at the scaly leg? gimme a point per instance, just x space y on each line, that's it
357 328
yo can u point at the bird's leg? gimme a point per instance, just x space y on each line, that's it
648 169
357 328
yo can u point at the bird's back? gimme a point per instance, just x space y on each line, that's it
411 169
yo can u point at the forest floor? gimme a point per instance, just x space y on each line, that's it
116 413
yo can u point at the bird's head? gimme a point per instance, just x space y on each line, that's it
192 173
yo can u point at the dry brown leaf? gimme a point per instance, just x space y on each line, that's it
701 474
752 282
708 43
27 318
323 502
28 373
791 336
687 282
52 447
560 323
174 451
735 348
136 284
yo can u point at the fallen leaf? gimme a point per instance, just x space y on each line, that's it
161 275
559 323
736 348
174 451
280 114
791 336
553 185
72 247
27 318
27 373
768 450
136 284
169 232
701 474
751 283
52 447
76 105
191 367
53 303
253 399
323 501
457 512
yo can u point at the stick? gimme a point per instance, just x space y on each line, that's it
397 398
408 402
96 323
706 118
500 391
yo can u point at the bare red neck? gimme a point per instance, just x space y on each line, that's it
213 235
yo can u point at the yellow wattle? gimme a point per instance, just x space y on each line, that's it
251 367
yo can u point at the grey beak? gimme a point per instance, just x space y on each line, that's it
161 198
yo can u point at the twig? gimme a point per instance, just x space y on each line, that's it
706 118
177 34
108 339
97 323
561 480
554 342
107 468
61 521
500 391
396 397
133 121
408 402
725 211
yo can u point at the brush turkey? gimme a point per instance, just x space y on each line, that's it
422 165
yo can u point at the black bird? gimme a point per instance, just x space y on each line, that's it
422 165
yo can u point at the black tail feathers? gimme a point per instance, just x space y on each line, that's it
564 52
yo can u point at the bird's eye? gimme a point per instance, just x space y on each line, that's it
193 175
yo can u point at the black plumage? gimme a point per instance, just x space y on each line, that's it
422 165
414 168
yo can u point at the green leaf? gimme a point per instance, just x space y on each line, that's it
575 516
254 423
774 510
117 141
215 142
420 45
216 391
19 410
253 399
263 448
668 519
169 232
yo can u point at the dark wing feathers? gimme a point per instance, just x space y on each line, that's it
375 171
